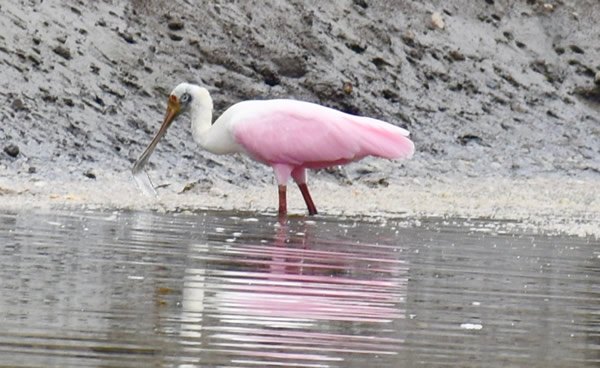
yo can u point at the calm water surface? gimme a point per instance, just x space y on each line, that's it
93 289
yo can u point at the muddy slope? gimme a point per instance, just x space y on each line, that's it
504 88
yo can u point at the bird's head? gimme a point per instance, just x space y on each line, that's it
180 100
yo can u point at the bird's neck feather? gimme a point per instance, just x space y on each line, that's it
213 138
201 116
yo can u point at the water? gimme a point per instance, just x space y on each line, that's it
93 289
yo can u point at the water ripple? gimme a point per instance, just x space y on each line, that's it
94 289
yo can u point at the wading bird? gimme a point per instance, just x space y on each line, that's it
288 135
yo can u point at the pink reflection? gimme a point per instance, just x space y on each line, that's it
282 301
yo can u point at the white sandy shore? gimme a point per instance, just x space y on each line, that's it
543 204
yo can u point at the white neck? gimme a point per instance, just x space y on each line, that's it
215 138
201 115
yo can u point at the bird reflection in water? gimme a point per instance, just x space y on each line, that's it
294 299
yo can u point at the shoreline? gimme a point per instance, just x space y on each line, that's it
541 204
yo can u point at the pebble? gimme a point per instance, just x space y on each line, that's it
347 88
63 52
175 37
12 150
437 21
90 174
456 55
175 25
18 104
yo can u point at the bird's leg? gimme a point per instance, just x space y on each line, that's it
312 210
282 200
299 175
282 175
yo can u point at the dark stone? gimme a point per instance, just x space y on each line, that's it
379 62
589 94
128 37
362 3
63 52
456 55
175 37
12 150
356 47
18 104
291 67
270 77
469 138
89 174
576 49
175 25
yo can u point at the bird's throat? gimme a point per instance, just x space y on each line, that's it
201 123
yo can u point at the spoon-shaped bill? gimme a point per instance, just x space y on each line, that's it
141 177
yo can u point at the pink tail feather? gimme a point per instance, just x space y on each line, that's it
382 139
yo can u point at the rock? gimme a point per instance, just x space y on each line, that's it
291 66
362 3
548 7
347 88
75 10
469 138
576 49
90 174
18 105
175 37
269 76
34 59
12 150
359 49
128 37
379 62
175 25
408 37
200 186
63 52
597 78
437 21
590 94
456 55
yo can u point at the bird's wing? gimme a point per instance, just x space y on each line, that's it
296 133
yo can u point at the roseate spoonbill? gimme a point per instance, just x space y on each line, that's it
288 135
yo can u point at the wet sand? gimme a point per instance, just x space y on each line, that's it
551 205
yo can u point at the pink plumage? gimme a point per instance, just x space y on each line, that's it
302 134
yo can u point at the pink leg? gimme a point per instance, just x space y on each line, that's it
312 210
282 200
299 175
282 174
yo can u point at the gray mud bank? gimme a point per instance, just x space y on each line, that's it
503 93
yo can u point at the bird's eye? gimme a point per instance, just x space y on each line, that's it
185 97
